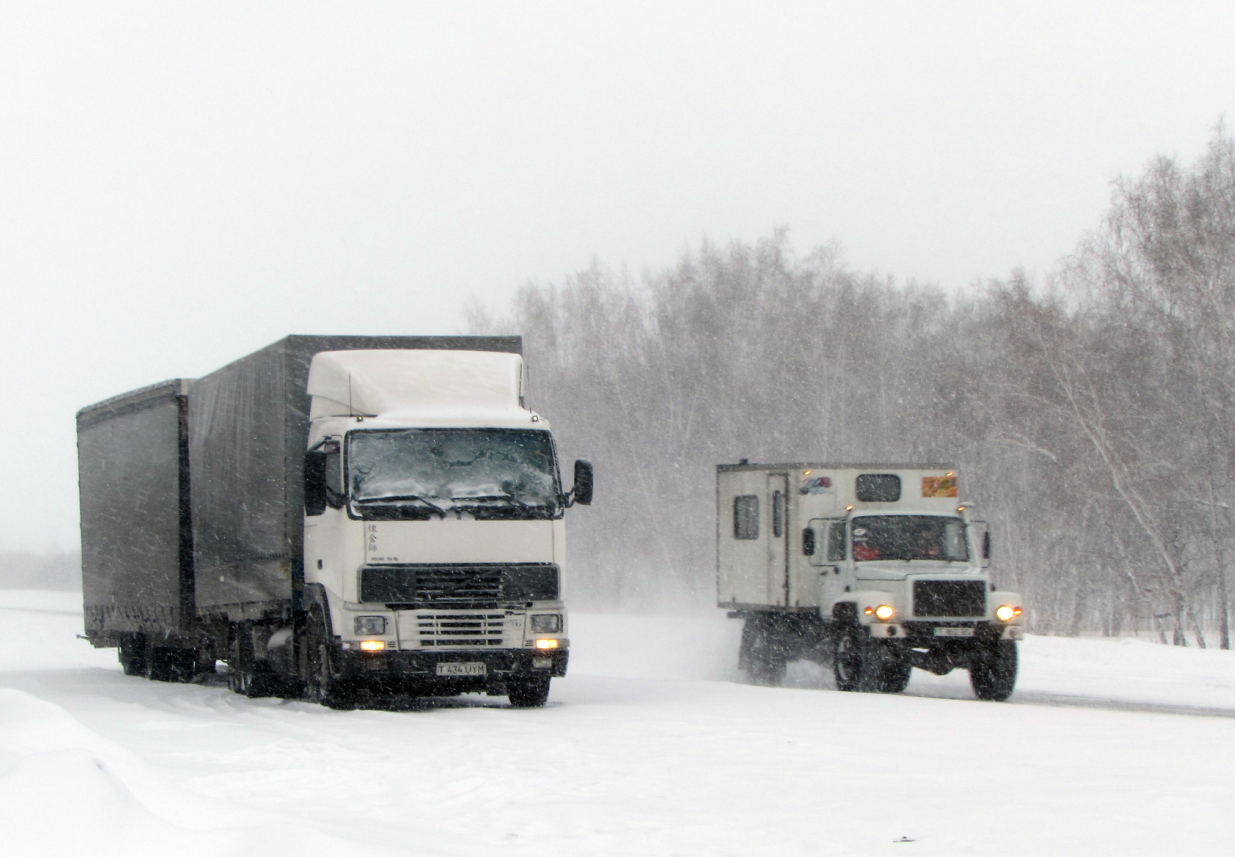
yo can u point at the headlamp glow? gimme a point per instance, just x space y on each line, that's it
1006 612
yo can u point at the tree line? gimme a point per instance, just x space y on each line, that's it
1088 414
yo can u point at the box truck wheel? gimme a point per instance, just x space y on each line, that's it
530 692
762 655
992 671
894 676
857 662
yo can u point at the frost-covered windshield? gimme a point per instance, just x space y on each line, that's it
421 473
907 537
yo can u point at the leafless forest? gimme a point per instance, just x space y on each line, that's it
1088 413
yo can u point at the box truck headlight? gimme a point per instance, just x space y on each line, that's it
546 623
546 644
372 645
1006 612
367 626
883 612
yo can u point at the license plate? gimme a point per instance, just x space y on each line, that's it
472 668
954 632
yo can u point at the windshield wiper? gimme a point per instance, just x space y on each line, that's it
482 497
401 498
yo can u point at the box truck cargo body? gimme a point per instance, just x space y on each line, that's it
353 516
872 568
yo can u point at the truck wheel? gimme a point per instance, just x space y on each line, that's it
762 657
173 665
321 686
992 671
847 660
249 676
529 692
894 677
134 655
857 662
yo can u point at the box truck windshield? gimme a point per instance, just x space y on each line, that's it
909 537
507 474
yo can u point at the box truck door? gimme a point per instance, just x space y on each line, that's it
778 528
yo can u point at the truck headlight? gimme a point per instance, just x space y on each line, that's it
546 623
546 644
368 626
883 612
1006 612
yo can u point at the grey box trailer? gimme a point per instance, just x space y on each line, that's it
248 429
136 537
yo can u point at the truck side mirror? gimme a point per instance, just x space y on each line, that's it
314 483
582 492
808 541
986 544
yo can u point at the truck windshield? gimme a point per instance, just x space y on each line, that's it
909 537
415 474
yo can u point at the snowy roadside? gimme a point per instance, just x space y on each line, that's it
649 747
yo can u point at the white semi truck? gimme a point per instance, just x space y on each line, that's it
337 517
874 569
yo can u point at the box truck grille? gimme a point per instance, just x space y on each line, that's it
949 598
466 586
460 629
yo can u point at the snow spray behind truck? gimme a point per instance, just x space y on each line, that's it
875 569
332 516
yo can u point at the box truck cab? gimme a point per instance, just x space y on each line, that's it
434 531
875 569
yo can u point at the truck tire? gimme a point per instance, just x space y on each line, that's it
894 677
857 662
172 665
249 676
134 654
530 692
762 655
992 671
321 685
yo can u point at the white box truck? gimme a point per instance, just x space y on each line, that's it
873 569
332 516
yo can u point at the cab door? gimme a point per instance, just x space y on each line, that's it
831 552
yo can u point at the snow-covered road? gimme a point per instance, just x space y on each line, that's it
649 747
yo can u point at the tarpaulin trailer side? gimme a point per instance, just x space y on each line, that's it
137 562
248 429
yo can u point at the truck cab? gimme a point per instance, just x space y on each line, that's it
434 530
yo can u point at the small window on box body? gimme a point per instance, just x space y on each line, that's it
878 488
746 517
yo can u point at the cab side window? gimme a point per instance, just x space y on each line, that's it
836 542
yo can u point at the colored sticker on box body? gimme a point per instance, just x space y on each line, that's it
939 486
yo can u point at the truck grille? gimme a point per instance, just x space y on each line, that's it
949 598
460 629
465 586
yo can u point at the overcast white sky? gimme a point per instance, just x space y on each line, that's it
181 184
